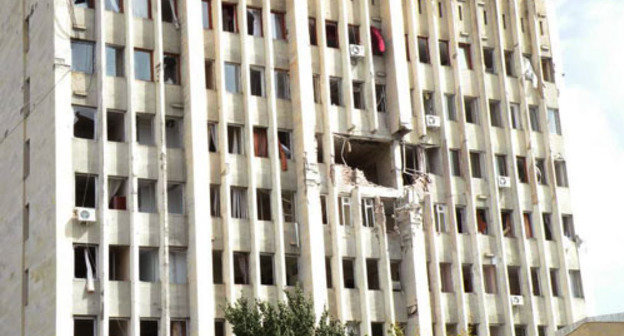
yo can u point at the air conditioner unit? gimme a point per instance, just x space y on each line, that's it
432 121
516 300
396 285
504 182
356 51
85 215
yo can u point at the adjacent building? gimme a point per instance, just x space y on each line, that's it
400 160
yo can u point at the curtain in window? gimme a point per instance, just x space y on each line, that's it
260 142
90 274
239 203
242 268
379 45
212 133
529 72
215 207
482 223
113 5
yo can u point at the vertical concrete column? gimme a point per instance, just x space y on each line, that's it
408 216
385 277
361 280
201 290
345 58
161 185
370 96
399 104
308 180
413 27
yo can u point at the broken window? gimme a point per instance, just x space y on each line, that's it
440 217
145 129
428 103
516 122
173 132
83 56
577 284
117 191
535 283
489 60
288 206
114 60
561 174
118 327
217 267
148 328
554 123
455 162
460 218
509 63
232 77
235 139
367 158
540 167
169 11
172 68
344 209
507 221
445 59
358 95
467 278
84 122
528 224
263 203
118 263
206 14
254 22
548 71
495 114
568 226
475 165
312 30
471 109
142 64
523 174
230 23
115 126
324 209
433 161
241 268
85 190
177 266
554 282
213 137
331 32
282 84
513 273
292 270
548 235
266 269
175 198
489 279
238 202
328 272
380 94
368 212
256 79
147 196
85 264
278 25
209 71
482 221
84 326
148 265
501 165
261 145
372 274
354 34
348 272
465 56
335 91
395 275
534 118
142 9
446 278
423 49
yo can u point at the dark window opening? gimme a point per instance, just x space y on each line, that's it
147 196
84 122
117 191
230 23
446 278
495 114
172 69
149 267
85 190
256 81
335 91
370 157
145 129
235 139
84 326
261 144
263 200
348 273
169 11
467 278
292 270
372 274
148 328
460 218
535 283
523 174
513 274
266 269
119 263
217 267
423 50
115 126
173 132
331 32
85 261
471 109
241 268
380 95
354 34
489 60
358 95
482 221
445 58
312 30
507 222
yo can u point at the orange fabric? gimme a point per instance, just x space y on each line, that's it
482 224
260 143
283 158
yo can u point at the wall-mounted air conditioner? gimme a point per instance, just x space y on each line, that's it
86 215
432 121
356 51
516 300
504 182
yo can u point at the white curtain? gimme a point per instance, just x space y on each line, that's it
90 275
214 201
173 13
529 72
212 132
113 5
114 185
239 203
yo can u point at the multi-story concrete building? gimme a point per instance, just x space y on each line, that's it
401 160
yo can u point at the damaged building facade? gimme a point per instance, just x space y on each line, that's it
400 160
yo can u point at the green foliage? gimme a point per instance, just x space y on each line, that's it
395 330
295 317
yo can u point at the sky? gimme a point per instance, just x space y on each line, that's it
591 107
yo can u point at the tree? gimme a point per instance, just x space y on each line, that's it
295 317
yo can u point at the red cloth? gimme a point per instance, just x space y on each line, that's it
260 143
378 41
